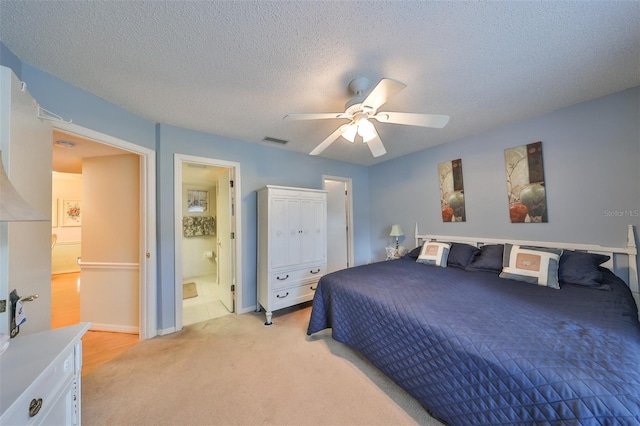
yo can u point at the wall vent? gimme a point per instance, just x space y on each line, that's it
275 140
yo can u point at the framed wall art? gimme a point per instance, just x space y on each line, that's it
197 200
452 191
71 213
526 187
198 226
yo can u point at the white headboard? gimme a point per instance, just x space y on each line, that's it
630 251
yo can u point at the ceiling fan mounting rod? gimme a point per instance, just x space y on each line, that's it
359 85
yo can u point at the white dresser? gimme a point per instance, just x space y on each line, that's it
40 378
292 245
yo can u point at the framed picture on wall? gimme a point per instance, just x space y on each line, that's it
71 213
526 187
197 200
452 191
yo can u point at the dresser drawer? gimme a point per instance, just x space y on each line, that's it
290 296
293 277
42 397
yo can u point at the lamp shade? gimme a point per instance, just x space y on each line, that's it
13 208
350 133
366 130
396 231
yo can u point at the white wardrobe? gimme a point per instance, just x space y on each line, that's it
292 245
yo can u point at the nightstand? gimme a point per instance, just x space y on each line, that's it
393 253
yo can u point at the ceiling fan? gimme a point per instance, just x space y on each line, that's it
360 110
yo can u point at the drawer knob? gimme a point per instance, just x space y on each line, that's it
35 406
316 271
282 297
282 279
313 288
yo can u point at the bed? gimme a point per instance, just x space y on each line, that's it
475 345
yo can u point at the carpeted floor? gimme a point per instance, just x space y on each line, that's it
236 371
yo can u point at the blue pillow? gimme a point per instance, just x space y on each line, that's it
581 268
413 254
461 255
488 259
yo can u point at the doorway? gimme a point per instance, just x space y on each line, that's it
143 267
206 239
339 223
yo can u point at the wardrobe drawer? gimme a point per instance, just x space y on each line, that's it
293 295
289 278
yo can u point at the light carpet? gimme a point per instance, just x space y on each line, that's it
236 371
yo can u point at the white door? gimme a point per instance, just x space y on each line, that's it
110 295
224 239
293 231
313 219
337 231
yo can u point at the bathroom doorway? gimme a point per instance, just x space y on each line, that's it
205 243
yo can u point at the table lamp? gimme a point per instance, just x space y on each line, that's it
396 231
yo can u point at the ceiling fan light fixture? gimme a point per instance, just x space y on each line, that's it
366 129
350 133
65 144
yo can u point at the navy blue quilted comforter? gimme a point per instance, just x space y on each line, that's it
474 348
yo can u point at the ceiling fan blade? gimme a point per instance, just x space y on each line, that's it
329 140
411 119
385 90
316 116
376 146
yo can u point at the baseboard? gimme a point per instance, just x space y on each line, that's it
247 310
165 331
114 328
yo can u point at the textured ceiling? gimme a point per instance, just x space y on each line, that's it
235 68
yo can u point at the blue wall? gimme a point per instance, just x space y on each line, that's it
591 154
9 60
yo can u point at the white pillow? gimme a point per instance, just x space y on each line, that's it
536 265
434 253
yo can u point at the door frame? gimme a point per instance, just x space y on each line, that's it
178 161
349 185
147 281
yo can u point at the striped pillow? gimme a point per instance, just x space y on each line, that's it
536 265
434 253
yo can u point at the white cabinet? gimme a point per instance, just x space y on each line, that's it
41 378
292 245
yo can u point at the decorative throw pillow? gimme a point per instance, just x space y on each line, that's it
434 253
414 253
536 265
581 268
461 255
488 259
